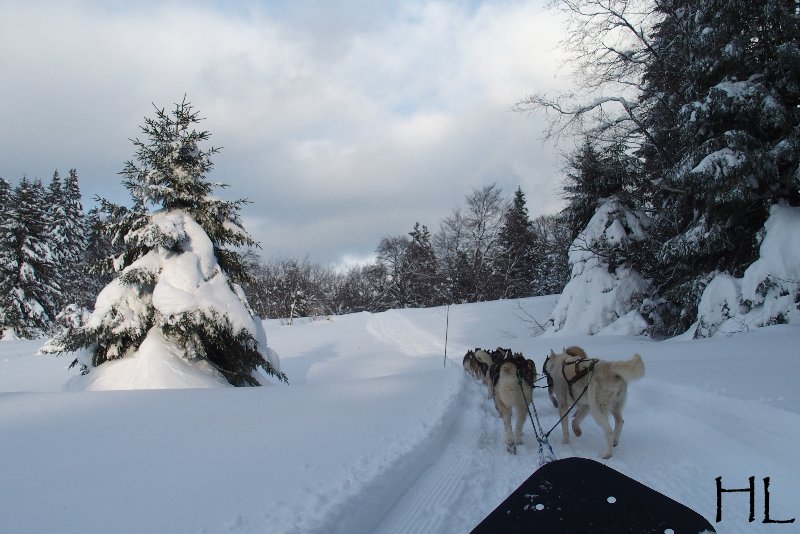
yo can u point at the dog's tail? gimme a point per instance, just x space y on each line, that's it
575 350
629 369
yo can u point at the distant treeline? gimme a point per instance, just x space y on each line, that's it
486 249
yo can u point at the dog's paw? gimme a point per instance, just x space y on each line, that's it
576 430
607 455
511 448
565 440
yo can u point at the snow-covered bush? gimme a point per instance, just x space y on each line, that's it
768 292
174 315
604 293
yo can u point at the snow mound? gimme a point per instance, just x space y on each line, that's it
599 299
769 290
156 365
184 283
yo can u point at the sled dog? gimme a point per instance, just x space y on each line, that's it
605 384
487 358
572 351
474 366
512 390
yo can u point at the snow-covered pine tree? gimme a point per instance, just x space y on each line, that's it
99 249
75 284
176 287
515 263
67 236
604 291
5 195
723 90
594 173
29 291
56 220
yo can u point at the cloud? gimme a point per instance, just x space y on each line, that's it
341 122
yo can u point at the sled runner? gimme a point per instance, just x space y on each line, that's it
577 495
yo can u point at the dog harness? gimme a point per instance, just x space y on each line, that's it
575 368
526 369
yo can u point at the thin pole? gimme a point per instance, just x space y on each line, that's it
446 330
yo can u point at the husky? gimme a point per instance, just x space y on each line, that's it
474 366
469 358
512 390
596 386
484 361
572 351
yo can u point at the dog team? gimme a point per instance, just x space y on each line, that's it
575 383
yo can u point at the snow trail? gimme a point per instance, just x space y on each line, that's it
458 490
372 435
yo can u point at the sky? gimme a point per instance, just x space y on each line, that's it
342 122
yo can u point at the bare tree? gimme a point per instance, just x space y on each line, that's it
468 242
609 47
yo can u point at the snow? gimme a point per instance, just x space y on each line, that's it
375 433
596 301
720 162
767 292
157 364
185 283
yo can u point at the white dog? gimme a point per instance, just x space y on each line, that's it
595 386
512 390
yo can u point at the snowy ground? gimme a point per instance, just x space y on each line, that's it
376 434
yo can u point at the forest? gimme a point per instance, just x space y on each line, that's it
688 115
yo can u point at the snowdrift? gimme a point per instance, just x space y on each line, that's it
769 291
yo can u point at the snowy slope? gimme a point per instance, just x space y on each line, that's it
376 434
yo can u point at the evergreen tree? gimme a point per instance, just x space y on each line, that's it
99 248
424 287
5 199
76 234
175 278
724 91
29 291
67 237
56 215
594 175
515 264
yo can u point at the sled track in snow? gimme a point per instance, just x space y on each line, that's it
455 492
400 332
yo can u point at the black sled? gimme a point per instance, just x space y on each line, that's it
577 495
